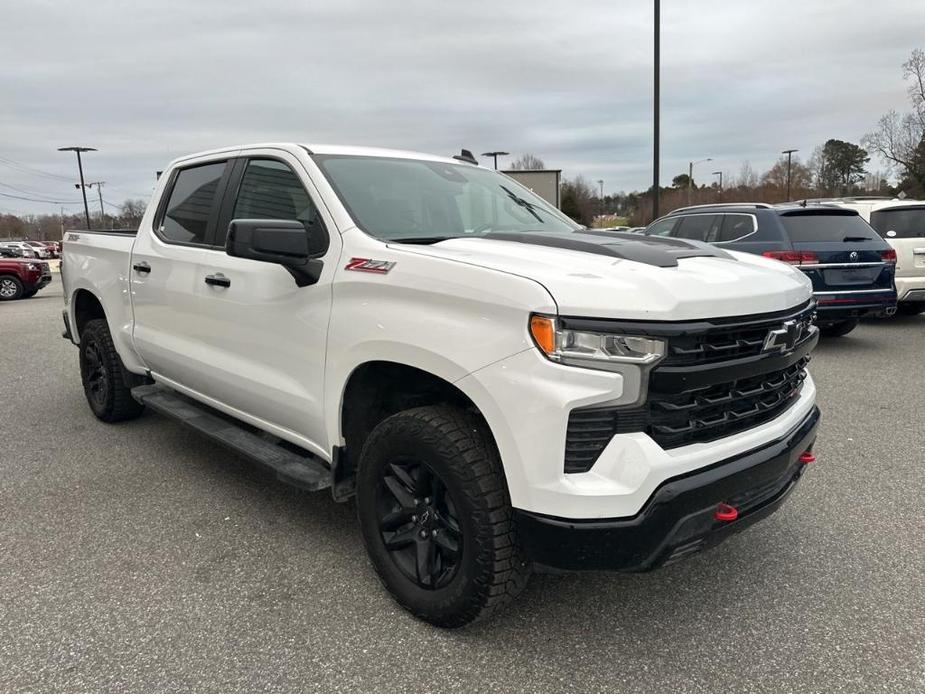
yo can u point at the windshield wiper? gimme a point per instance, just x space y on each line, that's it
528 206
850 239
422 240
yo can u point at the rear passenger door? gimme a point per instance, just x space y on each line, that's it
165 276
697 227
738 232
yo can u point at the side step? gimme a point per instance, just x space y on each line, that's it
303 471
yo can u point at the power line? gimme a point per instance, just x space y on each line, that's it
13 164
25 168
25 191
52 202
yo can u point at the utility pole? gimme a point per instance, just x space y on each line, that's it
655 111
80 168
690 178
720 174
493 155
601 206
99 189
789 153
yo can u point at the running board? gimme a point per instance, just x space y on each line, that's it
303 471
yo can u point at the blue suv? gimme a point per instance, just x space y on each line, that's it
851 266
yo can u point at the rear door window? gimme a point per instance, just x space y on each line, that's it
734 227
905 222
662 227
810 227
696 227
191 204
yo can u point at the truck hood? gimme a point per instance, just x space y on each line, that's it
696 281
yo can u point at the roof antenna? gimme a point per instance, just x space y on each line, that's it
803 204
466 156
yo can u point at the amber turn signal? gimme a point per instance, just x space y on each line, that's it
543 330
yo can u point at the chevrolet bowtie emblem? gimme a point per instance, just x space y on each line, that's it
784 338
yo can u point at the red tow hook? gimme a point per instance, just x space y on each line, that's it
725 512
807 457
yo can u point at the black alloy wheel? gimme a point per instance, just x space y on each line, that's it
419 523
96 377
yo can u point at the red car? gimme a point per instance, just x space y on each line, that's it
21 278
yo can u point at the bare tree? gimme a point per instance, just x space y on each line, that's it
131 212
747 177
527 162
900 138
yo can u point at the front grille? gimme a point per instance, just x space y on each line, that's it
692 416
722 342
674 418
706 414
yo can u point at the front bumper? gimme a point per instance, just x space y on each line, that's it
44 281
677 520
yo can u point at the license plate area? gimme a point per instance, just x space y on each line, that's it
851 276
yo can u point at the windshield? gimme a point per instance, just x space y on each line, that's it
413 200
804 227
905 222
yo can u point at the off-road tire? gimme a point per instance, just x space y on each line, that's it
492 568
838 329
107 385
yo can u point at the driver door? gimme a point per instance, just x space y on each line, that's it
264 337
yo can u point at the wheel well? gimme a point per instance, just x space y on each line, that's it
377 390
86 308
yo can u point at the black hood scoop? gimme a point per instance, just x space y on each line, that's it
659 251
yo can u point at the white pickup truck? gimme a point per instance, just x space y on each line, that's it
500 388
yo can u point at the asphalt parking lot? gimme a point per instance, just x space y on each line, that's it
138 557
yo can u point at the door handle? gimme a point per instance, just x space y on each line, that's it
218 280
142 267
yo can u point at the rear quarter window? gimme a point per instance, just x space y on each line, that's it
735 227
906 222
808 227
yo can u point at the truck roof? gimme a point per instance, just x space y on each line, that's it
317 148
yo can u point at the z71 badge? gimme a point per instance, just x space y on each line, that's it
380 267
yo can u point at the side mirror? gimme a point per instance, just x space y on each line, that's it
290 243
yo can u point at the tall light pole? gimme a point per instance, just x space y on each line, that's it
80 168
655 112
789 153
494 156
690 178
601 205
720 174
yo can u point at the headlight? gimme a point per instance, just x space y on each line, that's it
592 349
33 266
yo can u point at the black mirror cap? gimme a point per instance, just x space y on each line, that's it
283 241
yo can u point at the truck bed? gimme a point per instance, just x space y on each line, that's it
100 263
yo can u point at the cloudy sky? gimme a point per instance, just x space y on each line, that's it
569 81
